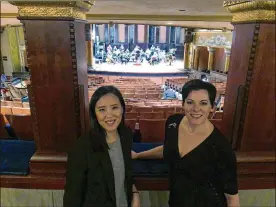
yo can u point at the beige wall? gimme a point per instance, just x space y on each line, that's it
101 32
162 34
121 31
141 33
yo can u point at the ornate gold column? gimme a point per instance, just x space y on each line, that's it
89 44
196 57
191 55
58 93
186 55
211 51
227 52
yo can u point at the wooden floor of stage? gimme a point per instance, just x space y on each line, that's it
161 68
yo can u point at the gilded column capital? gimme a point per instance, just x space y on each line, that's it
211 49
195 47
58 9
251 11
227 51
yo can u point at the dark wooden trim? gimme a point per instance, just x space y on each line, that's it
135 34
72 30
116 33
32 182
236 137
168 34
157 35
146 34
106 34
88 31
247 182
248 79
126 33
256 170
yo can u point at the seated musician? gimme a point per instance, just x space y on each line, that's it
99 169
202 164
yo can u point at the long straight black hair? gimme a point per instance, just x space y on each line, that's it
97 132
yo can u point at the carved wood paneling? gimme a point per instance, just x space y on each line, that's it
219 60
240 53
259 105
256 170
203 58
57 61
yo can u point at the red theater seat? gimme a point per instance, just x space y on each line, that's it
131 123
6 110
152 115
22 125
131 115
152 130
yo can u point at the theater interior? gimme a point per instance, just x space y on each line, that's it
54 55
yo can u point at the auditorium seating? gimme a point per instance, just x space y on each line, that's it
15 117
131 88
22 126
143 105
177 84
153 129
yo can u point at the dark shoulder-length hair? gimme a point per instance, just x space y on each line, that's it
197 84
97 133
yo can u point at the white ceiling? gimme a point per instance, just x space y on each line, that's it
166 10
6 7
159 7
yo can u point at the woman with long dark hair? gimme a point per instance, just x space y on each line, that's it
202 164
99 169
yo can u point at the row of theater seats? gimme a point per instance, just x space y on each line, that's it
152 130
17 103
161 114
177 84
133 88
93 80
22 125
16 120
16 125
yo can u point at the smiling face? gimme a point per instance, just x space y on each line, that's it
109 112
197 107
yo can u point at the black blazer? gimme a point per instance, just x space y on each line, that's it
90 177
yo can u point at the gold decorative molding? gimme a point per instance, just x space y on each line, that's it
8 15
227 51
73 9
251 11
101 18
211 49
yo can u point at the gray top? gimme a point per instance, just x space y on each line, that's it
118 165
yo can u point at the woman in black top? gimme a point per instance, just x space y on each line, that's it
202 164
99 169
